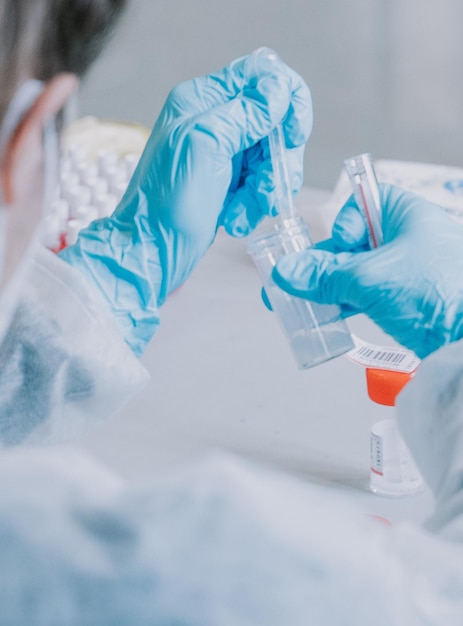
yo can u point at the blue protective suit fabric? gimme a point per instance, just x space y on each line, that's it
206 165
411 286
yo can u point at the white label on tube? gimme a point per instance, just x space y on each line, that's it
387 358
376 454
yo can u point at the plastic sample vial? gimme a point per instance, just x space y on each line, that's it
393 471
364 183
315 332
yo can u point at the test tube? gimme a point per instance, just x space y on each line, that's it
315 332
366 192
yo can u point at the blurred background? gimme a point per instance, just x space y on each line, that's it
385 75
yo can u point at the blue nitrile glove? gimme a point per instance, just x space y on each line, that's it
204 166
412 286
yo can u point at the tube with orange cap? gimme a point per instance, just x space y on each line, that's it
392 469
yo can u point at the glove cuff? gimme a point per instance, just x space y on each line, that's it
123 264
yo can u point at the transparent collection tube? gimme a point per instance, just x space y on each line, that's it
315 332
366 192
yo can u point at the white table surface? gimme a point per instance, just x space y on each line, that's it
223 377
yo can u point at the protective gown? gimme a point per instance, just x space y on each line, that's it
63 361
218 544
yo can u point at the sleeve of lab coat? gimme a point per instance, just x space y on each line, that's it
63 362
430 412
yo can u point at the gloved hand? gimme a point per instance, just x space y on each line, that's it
412 286
205 165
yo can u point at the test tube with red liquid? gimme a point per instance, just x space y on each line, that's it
366 192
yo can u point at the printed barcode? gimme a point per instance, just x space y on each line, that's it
381 355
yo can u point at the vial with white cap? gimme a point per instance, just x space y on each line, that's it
106 204
73 227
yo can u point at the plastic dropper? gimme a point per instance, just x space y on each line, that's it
283 195
284 204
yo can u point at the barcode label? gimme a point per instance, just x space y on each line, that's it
396 359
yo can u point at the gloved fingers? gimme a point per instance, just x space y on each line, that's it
298 122
298 118
265 299
349 230
241 214
395 204
206 92
246 207
248 197
243 75
274 87
327 245
322 277
404 211
237 125
346 309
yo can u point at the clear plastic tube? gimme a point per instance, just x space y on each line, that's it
283 195
315 332
366 192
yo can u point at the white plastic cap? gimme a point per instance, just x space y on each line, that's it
68 179
99 188
88 173
72 231
76 153
78 197
60 209
105 161
51 234
106 204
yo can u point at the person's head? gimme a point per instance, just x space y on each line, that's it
45 47
43 38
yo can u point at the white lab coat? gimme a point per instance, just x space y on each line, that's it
223 543
63 363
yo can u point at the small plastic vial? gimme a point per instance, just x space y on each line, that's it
315 332
393 471
74 226
106 204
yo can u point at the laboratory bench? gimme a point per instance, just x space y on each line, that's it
223 378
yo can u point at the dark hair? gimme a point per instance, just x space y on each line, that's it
73 34
40 38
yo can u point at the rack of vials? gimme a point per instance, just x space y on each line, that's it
89 188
